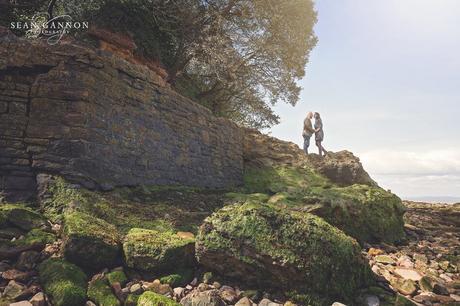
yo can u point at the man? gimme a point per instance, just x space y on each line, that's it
307 131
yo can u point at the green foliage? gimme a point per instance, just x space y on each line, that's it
117 277
64 282
150 298
100 292
150 250
327 258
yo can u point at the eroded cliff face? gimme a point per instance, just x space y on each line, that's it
102 121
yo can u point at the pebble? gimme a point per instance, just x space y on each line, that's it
22 303
244 302
135 289
38 299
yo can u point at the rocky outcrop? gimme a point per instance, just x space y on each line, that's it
342 168
101 121
265 246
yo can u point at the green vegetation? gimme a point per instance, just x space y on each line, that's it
100 292
150 298
89 241
174 280
20 216
254 242
117 277
36 236
64 282
131 299
151 250
366 213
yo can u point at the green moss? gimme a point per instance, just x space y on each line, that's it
36 236
20 216
403 301
150 298
64 282
150 250
89 241
100 292
131 300
117 277
367 213
306 299
255 242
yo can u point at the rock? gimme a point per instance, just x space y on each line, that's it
338 304
403 301
135 289
64 282
371 300
342 168
404 286
13 290
440 289
207 277
375 252
17 275
289 303
179 292
202 287
244 302
185 235
385 259
89 241
117 290
150 250
22 303
420 257
262 244
408 274
426 284
27 260
206 298
99 291
174 280
216 285
228 294
117 277
267 302
131 300
150 298
21 216
90 303
426 297
405 261
38 299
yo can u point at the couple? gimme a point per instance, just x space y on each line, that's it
308 131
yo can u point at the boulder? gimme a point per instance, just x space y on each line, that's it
20 216
90 242
150 250
150 298
205 298
342 168
100 292
63 282
280 249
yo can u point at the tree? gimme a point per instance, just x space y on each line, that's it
236 57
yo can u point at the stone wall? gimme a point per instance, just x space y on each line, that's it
101 121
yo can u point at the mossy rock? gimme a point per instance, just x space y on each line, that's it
401 300
20 216
150 298
90 242
367 213
100 292
149 250
131 300
117 277
173 280
280 249
36 236
64 283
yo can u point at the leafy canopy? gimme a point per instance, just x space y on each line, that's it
236 57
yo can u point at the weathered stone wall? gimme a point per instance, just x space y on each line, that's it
101 121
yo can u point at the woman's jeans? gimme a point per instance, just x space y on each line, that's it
306 143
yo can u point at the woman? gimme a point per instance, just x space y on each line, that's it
319 134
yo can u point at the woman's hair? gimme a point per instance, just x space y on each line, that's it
317 116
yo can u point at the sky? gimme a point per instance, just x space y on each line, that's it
385 76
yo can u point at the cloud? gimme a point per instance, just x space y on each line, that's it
427 163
